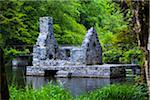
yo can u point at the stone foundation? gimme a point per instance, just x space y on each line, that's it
106 71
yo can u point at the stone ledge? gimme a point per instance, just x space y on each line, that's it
106 70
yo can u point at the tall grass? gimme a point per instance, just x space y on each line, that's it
48 92
52 92
117 92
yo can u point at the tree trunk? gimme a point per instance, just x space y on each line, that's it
147 72
148 68
141 28
4 93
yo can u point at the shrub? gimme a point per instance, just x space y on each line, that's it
11 53
116 92
132 56
53 92
112 56
48 92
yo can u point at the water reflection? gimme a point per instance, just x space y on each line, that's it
76 86
16 76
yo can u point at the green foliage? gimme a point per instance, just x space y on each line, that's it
132 56
112 27
52 92
112 56
116 92
115 55
66 28
11 53
13 28
19 22
48 92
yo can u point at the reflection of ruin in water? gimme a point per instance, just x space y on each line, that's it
77 86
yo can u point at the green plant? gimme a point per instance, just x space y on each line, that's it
11 53
53 92
115 55
112 56
134 55
47 92
116 92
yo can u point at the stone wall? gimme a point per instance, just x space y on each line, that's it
48 56
90 52
77 56
92 48
46 46
107 70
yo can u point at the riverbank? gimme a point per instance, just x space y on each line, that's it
55 92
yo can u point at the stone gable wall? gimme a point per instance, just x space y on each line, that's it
90 52
46 48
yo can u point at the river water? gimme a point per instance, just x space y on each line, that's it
76 86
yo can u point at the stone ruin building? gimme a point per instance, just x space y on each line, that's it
85 61
47 49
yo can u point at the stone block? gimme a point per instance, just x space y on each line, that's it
77 56
35 62
46 24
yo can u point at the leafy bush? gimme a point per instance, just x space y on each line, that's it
20 22
112 56
48 92
10 53
53 92
116 92
132 56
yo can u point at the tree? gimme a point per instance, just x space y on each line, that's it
140 30
20 23
4 93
